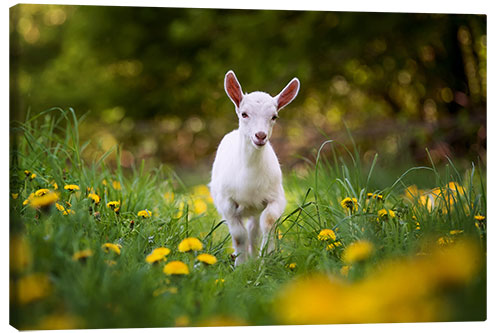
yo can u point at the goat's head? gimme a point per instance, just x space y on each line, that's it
258 111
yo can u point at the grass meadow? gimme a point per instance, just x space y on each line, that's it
95 247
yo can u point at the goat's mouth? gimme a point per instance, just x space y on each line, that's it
259 143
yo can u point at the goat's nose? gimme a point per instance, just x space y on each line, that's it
260 135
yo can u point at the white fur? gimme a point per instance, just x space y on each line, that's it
246 180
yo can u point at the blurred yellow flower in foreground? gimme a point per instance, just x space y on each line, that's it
207 258
403 290
59 322
157 255
357 251
176 268
182 321
190 244
43 201
222 321
20 253
327 234
32 287
111 247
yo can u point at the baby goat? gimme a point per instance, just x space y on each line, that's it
246 175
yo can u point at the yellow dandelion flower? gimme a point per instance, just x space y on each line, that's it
32 288
157 255
417 226
60 207
114 205
41 192
144 213
330 247
190 244
375 196
94 197
219 281
200 206
112 247
82 255
33 176
54 185
104 182
479 218
207 258
116 185
357 251
456 232
72 187
327 234
350 203
176 268
44 201
384 213
292 265
27 173
14 195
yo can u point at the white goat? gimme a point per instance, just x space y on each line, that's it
246 176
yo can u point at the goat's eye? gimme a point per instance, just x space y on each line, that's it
274 117
244 115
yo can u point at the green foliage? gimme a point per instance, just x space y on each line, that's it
108 290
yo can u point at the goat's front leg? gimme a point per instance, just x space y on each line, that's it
268 220
253 235
239 236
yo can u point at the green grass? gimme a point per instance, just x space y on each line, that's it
134 293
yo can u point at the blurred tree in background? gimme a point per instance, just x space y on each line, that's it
152 78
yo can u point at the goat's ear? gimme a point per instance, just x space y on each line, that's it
288 94
233 88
